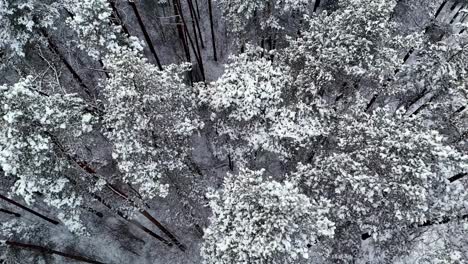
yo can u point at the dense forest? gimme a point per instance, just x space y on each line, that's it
233 131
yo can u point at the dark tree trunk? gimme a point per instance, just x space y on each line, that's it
197 54
456 14
163 229
213 39
9 212
372 101
457 177
116 15
74 74
441 7
194 17
145 33
198 10
133 222
181 31
29 210
316 5
49 251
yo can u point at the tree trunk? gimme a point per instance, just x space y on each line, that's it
9 212
87 168
29 210
213 39
117 16
74 74
181 31
194 17
163 229
145 33
133 222
197 55
441 7
49 251
316 5
198 10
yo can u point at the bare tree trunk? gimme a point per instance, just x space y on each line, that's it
213 39
163 229
49 251
133 222
197 55
74 74
117 16
145 33
29 210
181 31
457 177
9 212
194 17
316 5
456 14
198 10
372 101
441 7
87 168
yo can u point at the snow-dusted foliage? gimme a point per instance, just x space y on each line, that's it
33 133
92 23
147 119
260 16
386 173
357 42
338 127
147 111
257 220
253 110
21 22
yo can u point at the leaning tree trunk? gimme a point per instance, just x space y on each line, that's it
10 212
53 47
193 15
133 222
52 221
44 250
316 5
195 51
213 39
145 33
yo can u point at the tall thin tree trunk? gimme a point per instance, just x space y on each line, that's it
457 177
44 250
456 14
197 55
213 39
197 36
439 10
316 5
163 229
86 167
9 212
145 33
369 105
181 31
194 17
133 222
117 16
29 210
74 74
198 10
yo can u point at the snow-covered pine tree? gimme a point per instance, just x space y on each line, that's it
21 24
37 137
263 21
257 220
